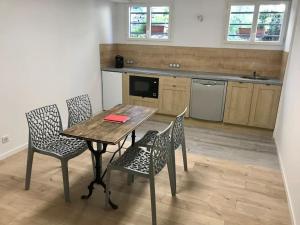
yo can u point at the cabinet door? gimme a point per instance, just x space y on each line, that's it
264 105
147 102
174 95
238 103
172 101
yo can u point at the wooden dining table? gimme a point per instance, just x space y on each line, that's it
105 133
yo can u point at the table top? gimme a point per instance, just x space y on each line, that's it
96 129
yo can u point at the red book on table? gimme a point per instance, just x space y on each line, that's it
116 118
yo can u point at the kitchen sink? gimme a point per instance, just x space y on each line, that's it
255 78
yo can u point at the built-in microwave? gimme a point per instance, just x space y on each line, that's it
143 86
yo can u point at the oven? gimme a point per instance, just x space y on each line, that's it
143 86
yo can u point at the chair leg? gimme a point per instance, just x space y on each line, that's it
65 174
171 177
153 200
107 191
29 168
130 179
184 154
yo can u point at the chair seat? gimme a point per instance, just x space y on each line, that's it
134 159
64 147
147 139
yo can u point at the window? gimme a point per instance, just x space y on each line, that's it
160 17
149 22
256 23
138 22
270 21
240 23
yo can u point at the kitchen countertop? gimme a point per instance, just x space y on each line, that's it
192 74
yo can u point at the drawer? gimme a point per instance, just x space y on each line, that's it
148 102
175 82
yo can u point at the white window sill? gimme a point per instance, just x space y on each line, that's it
148 40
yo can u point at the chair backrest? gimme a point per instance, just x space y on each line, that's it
44 126
160 150
79 108
178 130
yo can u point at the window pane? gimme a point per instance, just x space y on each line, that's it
138 18
242 8
240 22
270 19
138 30
160 17
138 22
138 9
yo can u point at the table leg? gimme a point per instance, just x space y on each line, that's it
133 138
98 179
99 148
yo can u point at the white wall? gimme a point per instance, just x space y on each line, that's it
48 52
290 28
186 29
105 11
287 131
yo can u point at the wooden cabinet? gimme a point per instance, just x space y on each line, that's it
174 95
264 105
252 104
238 103
246 103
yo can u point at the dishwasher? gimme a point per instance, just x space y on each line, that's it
208 99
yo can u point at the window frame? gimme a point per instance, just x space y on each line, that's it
129 22
148 24
257 4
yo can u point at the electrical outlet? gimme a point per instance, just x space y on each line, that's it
129 61
4 139
174 65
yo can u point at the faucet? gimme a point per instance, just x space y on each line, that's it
254 75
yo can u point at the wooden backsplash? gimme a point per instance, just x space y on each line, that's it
222 60
285 56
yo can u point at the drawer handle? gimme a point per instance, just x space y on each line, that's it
173 85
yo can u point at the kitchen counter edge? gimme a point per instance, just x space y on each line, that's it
192 74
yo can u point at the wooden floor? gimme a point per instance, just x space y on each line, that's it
219 126
212 192
236 143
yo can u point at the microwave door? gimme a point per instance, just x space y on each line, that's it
143 86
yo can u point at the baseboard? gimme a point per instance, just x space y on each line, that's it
292 214
13 151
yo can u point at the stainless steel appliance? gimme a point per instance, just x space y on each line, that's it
143 86
208 99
